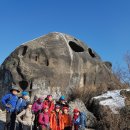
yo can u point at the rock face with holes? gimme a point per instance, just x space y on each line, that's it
55 63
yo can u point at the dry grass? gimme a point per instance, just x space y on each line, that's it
87 92
118 82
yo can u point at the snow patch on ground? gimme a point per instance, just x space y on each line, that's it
113 100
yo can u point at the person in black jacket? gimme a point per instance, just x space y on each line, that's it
62 102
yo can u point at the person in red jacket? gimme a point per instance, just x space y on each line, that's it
67 119
44 119
50 103
79 120
56 119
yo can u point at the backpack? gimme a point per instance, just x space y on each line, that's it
83 119
20 100
20 103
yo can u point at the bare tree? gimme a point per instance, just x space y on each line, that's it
123 73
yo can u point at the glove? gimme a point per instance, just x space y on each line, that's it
7 105
48 125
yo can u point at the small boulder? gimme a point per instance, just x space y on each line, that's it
110 110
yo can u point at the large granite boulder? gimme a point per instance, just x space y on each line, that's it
55 64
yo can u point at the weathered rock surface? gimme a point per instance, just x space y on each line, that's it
111 110
55 64
91 120
58 63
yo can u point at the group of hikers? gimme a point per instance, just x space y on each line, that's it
41 114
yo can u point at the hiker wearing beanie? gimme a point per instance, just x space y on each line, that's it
50 103
43 119
22 104
67 119
62 102
36 108
9 101
26 117
56 119
79 120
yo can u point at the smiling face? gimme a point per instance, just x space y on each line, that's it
46 110
65 111
76 113
57 109
62 101
50 98
29 106
26 97
14 92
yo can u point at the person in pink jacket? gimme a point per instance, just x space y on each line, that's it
36 108
44 119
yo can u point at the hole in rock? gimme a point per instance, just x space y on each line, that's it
36 58
24 50
19 72
75 47
91 53
47 62
23 85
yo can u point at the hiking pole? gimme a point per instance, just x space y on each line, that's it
31 126
5 126
15 127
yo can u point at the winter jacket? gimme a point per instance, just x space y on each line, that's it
27 116
37 106
11 100
51 105
21 104
56 122
80 121
43 120
67 120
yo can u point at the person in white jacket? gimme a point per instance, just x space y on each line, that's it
26 117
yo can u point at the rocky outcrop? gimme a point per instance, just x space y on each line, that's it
111 110
55 64
59 64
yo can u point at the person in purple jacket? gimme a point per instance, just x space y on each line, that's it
44 118
36 108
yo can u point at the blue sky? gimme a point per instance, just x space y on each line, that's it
103 24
